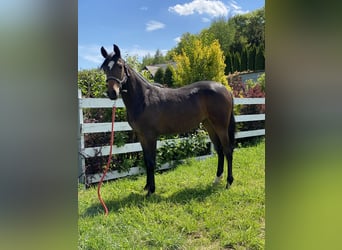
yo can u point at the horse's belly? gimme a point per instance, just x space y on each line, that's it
179 122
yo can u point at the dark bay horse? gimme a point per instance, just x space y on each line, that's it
154 110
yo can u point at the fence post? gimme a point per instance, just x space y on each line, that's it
81 160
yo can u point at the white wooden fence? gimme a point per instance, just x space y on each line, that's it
86 128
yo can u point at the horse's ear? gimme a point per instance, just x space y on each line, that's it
104 52
117 51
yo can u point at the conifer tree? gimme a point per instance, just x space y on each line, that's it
259 59
168 80
244 59
251 58
229 64
237 62
159 76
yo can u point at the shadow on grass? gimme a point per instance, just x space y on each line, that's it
140 200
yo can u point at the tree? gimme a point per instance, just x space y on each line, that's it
251 58
168 78
223 31
259 59
185 43
244 60
249 35
249 29
158 57
237 62
147 60
200 62
255 29
229 64
159 76
133 62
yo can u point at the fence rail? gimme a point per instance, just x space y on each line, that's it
88 128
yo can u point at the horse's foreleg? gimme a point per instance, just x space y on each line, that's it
150 165
149 150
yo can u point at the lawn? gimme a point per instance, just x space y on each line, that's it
186 212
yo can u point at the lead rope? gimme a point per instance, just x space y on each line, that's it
108 162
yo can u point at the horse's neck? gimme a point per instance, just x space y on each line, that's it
134 98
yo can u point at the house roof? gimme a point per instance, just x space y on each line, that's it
153 68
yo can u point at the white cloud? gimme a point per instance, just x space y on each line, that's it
235 9
143 8
137 51
90 53
154 25
177 39
205 20
212 8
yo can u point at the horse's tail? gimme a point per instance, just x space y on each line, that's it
231 130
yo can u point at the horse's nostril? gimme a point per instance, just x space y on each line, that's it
112 95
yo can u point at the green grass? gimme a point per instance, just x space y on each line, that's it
186 212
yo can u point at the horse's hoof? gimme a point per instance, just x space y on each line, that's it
229 182
218 179
150 190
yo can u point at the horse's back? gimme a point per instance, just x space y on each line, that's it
212 92
196 97
208 89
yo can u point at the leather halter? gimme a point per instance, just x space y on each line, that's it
122 81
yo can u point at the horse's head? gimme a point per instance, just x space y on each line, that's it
115 70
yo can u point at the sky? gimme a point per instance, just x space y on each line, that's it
141 27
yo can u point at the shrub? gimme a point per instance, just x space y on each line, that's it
173 151
92 83
199 62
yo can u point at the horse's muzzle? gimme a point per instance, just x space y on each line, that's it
112 95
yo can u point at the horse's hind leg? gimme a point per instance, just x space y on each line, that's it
218 148
228 152
220 164
231 136
226 148
229 156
